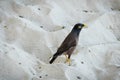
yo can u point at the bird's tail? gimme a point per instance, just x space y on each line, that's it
53 58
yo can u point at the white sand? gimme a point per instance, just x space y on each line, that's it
32 30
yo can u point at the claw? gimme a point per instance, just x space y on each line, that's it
68 61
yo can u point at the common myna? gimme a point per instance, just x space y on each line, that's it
69 44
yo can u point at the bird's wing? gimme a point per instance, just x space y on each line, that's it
70 41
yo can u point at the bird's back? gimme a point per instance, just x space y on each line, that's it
70 41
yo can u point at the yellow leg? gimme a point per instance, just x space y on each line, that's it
68 61
66 58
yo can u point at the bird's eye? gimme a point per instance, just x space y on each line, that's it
79 27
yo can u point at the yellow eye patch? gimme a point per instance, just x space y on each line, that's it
79 27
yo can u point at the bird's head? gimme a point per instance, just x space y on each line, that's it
79 26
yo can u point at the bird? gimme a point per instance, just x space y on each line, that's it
69 44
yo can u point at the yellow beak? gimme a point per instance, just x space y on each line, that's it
85 26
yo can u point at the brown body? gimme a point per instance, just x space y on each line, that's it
69 44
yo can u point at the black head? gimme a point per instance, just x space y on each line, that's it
78 26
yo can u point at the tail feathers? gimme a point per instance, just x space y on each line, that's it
53 59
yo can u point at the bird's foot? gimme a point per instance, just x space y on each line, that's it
68 61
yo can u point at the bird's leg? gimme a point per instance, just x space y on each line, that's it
68 59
